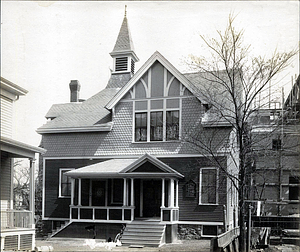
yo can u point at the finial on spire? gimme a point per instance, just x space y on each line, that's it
125 11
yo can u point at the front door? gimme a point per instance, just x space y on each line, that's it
151 198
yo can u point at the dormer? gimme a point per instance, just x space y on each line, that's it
123 54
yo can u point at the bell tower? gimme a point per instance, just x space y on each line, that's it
123 54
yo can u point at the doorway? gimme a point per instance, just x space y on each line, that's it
151 198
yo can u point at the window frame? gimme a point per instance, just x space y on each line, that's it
61 170
164 125
217 186
140 141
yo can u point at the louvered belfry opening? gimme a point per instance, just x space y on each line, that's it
121 64
132 66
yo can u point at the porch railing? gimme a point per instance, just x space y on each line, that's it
102 213
11 219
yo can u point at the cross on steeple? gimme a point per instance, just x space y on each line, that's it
125 11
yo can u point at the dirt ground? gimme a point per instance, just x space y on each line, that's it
83 245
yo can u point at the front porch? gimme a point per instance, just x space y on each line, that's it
117 191
115 200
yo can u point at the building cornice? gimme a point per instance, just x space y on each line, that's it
94 128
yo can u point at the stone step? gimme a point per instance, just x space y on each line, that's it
136 233
141 243
131 227
141 236
143 233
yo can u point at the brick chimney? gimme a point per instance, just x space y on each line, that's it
74 88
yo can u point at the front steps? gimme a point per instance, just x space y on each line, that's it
58 229
148 233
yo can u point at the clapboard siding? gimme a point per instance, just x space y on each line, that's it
5 179
190 210
6 116
56 207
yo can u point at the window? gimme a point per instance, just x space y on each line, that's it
210 230
276 144
156 126
117 191
64 183
294 187
208 186
140 127
159 131
172 125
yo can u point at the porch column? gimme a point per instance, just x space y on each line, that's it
163 192
124 193
31 193
176 193
141 198
79 192
72 191
171 193
90 192
132 193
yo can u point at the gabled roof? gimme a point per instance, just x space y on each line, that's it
124 168
153 160
155 57
90 115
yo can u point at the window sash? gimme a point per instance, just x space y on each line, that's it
140 127
172 125
208 186
156 126
64 183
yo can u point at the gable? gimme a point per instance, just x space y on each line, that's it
157 78
148 167
157 82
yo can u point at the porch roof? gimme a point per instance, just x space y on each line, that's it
125 168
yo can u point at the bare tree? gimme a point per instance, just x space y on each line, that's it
21 180
230 82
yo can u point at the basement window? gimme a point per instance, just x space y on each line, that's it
210 230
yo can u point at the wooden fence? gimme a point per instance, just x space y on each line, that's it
226 242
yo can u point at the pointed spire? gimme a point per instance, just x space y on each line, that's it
124 42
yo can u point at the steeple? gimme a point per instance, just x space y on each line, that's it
123 53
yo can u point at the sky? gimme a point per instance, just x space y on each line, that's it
45 44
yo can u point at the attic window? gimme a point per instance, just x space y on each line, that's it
121 64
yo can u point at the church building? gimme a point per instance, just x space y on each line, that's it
122 158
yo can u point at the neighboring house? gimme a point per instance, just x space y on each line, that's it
120 157
276 179
17 226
